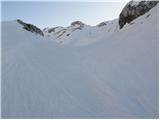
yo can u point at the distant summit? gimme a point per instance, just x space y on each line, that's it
77 23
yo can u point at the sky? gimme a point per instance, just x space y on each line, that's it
51 14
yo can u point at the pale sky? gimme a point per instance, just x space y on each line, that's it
51 14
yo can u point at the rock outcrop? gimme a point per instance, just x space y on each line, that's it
102 24
78 24
133 10
30 27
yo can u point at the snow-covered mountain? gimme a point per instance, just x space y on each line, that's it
96 72
85 34
80 34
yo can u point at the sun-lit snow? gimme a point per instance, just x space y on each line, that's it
102 73
84 36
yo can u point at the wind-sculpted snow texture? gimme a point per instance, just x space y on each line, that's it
113 76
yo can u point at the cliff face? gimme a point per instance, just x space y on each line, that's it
133 10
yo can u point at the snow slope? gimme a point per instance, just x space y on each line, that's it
80 36
114 77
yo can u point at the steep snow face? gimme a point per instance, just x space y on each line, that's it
79 34
114 77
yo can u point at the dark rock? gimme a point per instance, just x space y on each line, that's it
67 34
61 34
147 16
102 24
77 23
30 27
53 29
131 11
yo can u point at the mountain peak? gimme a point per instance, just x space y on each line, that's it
79 23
